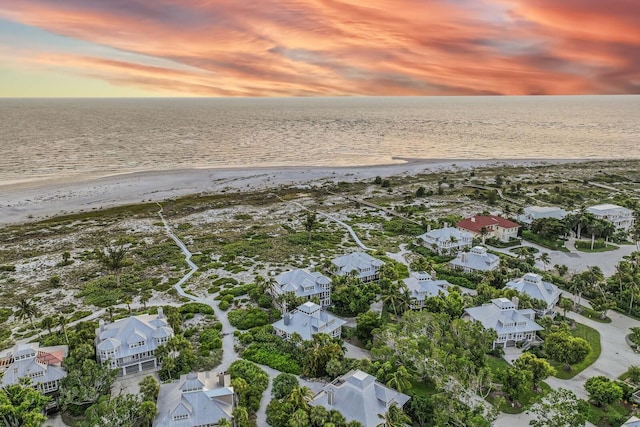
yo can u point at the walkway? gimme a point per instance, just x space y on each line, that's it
497 190
332 218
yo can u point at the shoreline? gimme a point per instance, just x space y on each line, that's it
34 201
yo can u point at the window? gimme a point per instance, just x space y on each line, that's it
180 417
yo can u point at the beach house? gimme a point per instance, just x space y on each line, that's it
531 213
129 344
42 365
532 285
446 240
304 284
359 397
476 260
621 217
422 286
512 325
490 226
308 319
362 265
195 400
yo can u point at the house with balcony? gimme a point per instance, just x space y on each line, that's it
304 284
307 320
490 226
359 397
130 344
422 286
532 285
512 325
42 365
477 260
531 213
195 400
362 265
446 240
621 217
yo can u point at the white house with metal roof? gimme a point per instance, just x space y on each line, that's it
422 286
503 316
359 397
621 217
195 400
531 213
533 285
304 284
363 265
476 260
129 344
307 320
43 365
446 240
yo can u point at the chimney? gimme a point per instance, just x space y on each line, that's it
160 313
101 324
330 397
463 258
473 219
446 225
287 319
515 301
428 228
433 274
224 379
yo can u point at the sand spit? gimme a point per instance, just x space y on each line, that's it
33 201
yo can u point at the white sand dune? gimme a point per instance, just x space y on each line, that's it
36 200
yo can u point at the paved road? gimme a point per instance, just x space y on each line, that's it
578 261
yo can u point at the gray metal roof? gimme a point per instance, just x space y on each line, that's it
503 316
533 285
302 282
41 364
476 259
445 234
422 286
123 333
536 212
197 396
359 397
308 319
358 261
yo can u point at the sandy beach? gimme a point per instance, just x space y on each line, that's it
37 200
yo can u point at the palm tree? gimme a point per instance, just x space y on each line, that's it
224 422
113 257
47 323
483 234
577 285
145 296
318 415
147 412
300 397
400 380
394 417
299 418
110 311
309 222
391 297
545 259
128 302
62 322
26 309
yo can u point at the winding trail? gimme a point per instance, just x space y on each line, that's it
187 257
332 218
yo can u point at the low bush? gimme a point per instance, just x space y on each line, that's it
248 318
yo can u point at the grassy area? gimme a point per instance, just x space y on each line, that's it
593 338
556 245
593 315
585 246
421 389
611 415
527 399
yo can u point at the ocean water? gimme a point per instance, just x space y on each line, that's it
50 138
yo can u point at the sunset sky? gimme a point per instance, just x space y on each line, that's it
318 47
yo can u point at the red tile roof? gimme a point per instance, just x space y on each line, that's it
476 223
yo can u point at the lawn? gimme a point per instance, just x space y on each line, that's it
593 337
611 415
527 399
585 246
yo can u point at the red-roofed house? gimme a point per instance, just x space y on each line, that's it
496 226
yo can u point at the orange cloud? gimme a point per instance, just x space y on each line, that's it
347 47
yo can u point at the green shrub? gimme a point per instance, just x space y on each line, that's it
7 268
248 318
267 355
195 307
223 305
